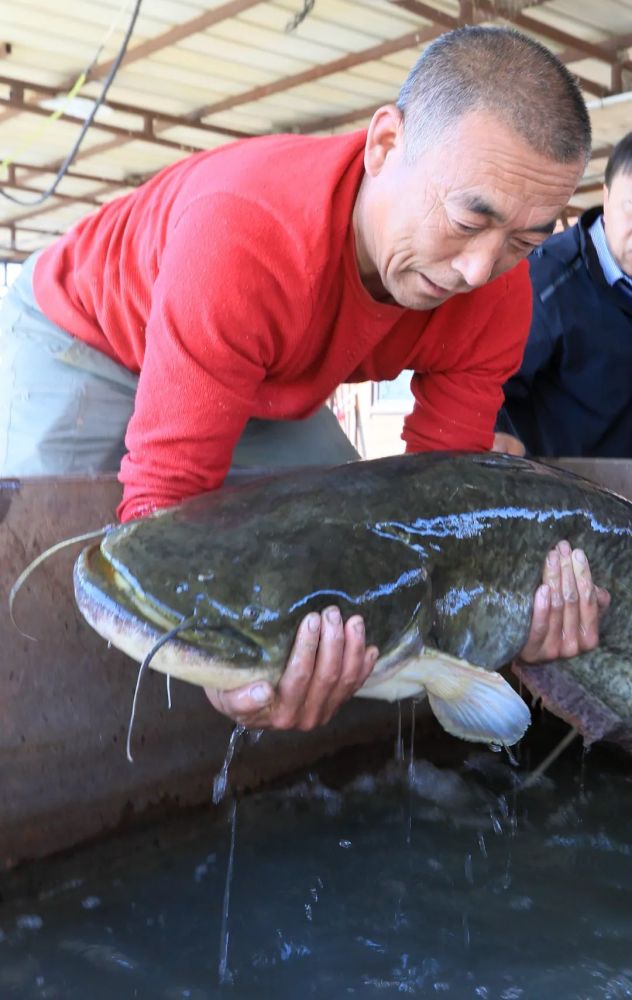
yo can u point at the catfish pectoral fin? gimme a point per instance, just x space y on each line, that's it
469 702
476 704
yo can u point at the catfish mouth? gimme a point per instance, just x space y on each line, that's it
211 653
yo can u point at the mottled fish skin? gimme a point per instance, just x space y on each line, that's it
443 550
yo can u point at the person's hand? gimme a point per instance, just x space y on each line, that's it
508 444
566 610
328 663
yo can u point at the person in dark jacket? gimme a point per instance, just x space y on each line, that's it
572 395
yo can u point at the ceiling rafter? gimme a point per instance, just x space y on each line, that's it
410 40
496 8
150 116
486 9
151 45
70 174
615 44
53 204
284 83
149 132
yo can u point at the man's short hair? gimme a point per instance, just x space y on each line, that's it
501 71
620 159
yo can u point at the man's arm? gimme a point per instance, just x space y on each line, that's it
219 316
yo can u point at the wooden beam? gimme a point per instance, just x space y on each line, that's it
32 231
37 210
170 37
346 118
86 199
72 174
19 104
497 8
128 133
410 40
473 11
431 14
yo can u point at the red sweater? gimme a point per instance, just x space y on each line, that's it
230 282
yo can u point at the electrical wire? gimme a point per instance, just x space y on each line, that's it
88 122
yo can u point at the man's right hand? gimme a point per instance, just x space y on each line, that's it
328 663
508 444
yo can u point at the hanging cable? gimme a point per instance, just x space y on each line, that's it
88 122
293 23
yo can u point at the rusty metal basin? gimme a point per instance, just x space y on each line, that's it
65 698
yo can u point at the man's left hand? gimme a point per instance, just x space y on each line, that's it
566 610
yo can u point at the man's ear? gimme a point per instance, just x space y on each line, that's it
385 134
605 195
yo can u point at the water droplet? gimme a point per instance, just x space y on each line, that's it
469 874
466 930
221 780
513 760
497 826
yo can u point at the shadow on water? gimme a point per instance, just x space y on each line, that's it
376 874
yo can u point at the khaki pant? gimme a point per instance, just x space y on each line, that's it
64 407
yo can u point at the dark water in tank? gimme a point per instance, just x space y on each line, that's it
435 877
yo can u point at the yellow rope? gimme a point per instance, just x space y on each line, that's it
76 87
33 136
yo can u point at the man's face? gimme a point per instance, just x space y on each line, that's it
465 211
617 219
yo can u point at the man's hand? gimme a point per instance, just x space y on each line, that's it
328 663
566 610
508 444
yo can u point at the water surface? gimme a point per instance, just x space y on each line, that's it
431 879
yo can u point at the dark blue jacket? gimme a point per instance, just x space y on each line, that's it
573 393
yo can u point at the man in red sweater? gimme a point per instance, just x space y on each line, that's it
238 287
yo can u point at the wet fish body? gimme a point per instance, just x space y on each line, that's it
441 553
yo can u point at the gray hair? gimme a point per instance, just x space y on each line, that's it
505 73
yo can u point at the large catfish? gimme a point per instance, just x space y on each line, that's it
441 553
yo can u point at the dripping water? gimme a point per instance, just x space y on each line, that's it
225 976
399 746
220 783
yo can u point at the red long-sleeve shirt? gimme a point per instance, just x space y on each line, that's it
230 282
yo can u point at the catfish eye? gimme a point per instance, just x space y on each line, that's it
251 613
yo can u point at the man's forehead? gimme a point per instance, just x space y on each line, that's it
623 180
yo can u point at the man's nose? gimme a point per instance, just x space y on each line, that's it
476 263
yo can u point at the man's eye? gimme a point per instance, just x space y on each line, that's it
465 228
521 247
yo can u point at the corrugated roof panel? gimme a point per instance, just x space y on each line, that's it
234 62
